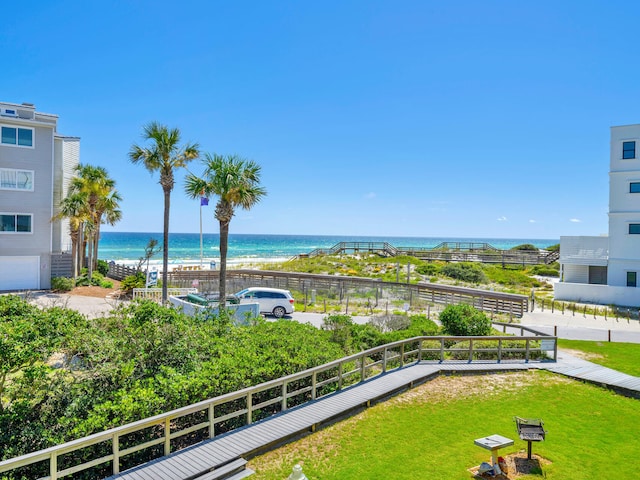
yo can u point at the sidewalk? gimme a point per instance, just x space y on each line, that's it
92 307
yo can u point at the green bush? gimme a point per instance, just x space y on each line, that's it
97 279
429 269
103 267
464 320
62 284
527 247
133 281
466 272
552 270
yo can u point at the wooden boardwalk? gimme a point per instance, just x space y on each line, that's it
579 369
268 434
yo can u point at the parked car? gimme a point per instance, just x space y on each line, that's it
274 301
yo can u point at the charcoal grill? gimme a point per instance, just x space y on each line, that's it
531 430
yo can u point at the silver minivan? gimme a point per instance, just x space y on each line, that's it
274 301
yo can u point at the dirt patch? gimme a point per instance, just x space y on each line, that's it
444 389
583 355
518 465
97 292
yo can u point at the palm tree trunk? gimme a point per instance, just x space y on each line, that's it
74 253
224 244
90 258
96 239
80 249
165 240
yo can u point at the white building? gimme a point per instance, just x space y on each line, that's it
36 164
605 269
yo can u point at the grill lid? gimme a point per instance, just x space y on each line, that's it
530 429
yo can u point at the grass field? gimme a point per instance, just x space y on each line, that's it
428 432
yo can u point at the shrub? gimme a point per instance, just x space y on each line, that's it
546 270
466 272
429 269
527 247
133 281
103 267
464 320
62 284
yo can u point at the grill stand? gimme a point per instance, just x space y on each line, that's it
531 430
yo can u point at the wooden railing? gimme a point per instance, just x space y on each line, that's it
120 272
232 410
155 294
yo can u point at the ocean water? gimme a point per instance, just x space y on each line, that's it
184 248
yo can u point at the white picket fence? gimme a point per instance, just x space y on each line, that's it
155 294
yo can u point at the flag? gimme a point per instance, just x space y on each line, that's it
204 201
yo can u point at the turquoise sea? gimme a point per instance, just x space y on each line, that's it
184 248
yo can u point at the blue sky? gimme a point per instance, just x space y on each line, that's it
404 118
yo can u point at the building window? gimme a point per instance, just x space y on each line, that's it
634 229
11 179
632 279
21 137
634 187
628 150
15 223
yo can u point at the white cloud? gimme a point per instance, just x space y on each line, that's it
575 220
502 219
370 195
532 221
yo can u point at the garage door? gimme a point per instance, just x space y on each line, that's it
19 273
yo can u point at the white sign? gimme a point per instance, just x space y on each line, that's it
152 278
547 345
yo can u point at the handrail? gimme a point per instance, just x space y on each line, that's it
367 364
445 251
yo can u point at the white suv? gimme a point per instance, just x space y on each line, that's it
272 300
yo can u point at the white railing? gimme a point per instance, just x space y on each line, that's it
261 401
155 294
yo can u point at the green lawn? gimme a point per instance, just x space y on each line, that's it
624 357
428 432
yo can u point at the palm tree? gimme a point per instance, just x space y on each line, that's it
107 212
101 199
236 182
164 155
73 207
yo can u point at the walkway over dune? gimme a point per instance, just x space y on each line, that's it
445 252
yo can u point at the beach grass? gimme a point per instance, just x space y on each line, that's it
429 432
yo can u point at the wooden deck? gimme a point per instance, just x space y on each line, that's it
270 433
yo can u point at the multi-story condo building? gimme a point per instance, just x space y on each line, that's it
606 269
36 165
